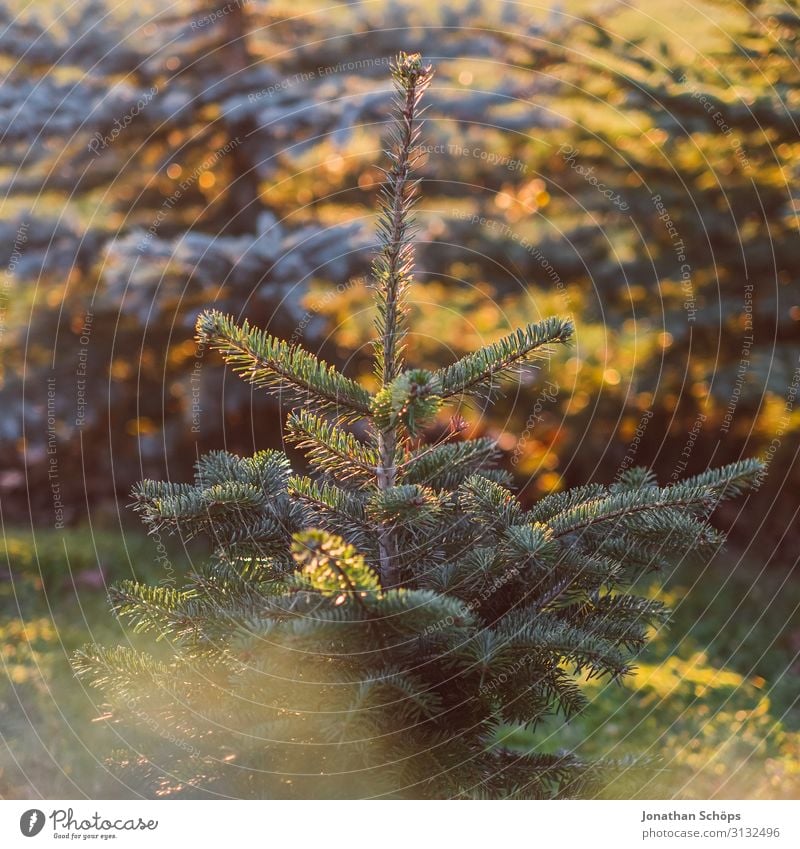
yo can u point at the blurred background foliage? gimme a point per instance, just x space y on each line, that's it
631 164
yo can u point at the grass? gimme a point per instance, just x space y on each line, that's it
53 601
715 696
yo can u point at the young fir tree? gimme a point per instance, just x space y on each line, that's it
366 631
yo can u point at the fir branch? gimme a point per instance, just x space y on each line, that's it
332 450
147 608
545 635
274 364
331 566
194 509
126 673
629 502
417 508
489 504
448 465
464 577
558 502
731 480
268 470
530 545
620 618
400 693
475 372
335 509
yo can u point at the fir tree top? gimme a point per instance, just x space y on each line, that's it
408 399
